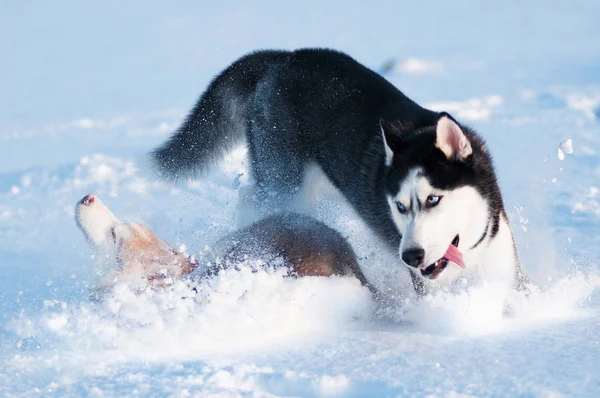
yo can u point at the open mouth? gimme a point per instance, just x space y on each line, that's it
435 269
88 199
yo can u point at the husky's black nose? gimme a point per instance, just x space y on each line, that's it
413 257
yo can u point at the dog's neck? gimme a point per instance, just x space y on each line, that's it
495 260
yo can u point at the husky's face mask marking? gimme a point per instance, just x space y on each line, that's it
431 220
432 196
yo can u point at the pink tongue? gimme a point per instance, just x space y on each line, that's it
454 255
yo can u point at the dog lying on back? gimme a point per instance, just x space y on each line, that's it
306 246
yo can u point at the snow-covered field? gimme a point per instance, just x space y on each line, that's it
87 90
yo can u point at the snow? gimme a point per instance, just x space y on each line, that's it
471 109
81 105
416 65
565 147
588 104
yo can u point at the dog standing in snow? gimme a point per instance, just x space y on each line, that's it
422 181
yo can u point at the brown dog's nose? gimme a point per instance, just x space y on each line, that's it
88 199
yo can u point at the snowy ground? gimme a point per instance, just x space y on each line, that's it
87 90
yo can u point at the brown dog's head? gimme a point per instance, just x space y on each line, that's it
139 252
96 222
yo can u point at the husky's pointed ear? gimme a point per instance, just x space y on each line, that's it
391 138
451 140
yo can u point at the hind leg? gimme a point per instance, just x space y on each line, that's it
275 154
278 175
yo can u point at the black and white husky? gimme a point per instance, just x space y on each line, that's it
421 180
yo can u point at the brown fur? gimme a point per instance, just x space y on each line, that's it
141 252
308 257
307 246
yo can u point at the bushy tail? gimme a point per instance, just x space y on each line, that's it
218 121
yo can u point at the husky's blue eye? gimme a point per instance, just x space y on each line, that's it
433 200
401 208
